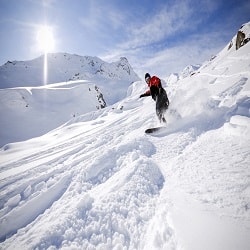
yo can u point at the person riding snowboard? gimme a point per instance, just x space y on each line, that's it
159 95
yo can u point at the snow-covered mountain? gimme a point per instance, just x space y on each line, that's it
187 71
77 86
63 67
99 182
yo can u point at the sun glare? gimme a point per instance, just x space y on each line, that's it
45 43
45 39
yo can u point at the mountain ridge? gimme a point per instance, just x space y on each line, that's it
62 67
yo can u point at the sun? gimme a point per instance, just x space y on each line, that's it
45 39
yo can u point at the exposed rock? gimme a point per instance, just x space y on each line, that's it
100 98
240 39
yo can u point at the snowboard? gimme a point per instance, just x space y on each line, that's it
152 130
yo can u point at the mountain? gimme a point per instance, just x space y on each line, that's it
77 85
187 71
98 182
63 67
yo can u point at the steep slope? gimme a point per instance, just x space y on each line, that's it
98 182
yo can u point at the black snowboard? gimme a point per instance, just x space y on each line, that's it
152 130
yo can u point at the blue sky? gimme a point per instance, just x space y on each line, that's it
160 36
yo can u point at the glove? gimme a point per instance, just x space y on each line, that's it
142 95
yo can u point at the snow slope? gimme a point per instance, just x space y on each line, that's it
99 182
28 112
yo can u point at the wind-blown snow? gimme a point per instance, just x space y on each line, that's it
99 182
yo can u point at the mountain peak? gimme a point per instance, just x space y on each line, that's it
64 67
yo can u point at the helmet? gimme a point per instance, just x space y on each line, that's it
147 78
147 75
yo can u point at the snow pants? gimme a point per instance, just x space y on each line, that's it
162 104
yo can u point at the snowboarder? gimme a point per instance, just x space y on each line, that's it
159 95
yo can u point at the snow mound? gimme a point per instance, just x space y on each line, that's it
238 125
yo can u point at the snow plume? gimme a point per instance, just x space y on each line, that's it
99 182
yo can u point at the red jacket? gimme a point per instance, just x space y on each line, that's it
154 81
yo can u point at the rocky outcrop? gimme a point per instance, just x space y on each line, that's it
100 98
242 37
